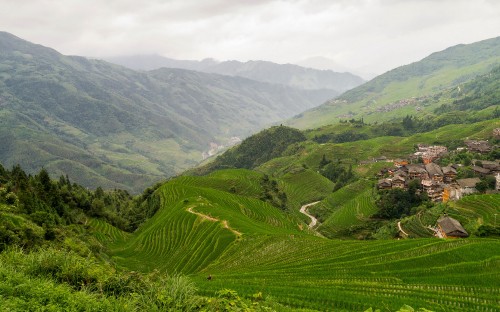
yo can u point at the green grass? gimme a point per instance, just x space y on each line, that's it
106 233
346 208
323 274
476 210
180 241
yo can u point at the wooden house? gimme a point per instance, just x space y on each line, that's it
417 172
449 174
400 162
480 170
433 189
398 182
451 228
491 165
482 147
435 172
384 184
468 186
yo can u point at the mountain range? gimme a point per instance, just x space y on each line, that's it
104 124
285 74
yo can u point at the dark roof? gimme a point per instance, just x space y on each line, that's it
398 178
449 169
470 182
490 164
401 173
480 170
416 168
452 227
433 169
384 181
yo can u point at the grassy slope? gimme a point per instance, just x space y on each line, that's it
461 275
177 240
435 73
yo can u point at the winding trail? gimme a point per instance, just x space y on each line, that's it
401 229
303 210
207 217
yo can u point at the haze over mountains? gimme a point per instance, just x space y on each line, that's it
104 124
285 74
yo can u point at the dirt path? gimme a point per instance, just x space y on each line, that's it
303 210
401 229
190 209
226 225
206 217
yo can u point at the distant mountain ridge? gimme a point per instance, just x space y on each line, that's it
264 71
107 125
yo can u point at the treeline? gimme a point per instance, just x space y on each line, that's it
397 203
35 208
477 94
336 172
407 126
272 194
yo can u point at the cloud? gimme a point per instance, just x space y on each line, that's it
367 35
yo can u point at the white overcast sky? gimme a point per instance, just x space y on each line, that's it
367 36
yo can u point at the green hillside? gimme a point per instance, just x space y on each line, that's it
321 274
196 223
102 124
413 89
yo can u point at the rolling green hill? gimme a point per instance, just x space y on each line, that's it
106 125
408 90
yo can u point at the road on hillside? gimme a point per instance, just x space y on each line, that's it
303 209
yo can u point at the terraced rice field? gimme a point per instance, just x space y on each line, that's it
195 226
314 273
305 186
250 246
348 207
106 233
472 211
481 208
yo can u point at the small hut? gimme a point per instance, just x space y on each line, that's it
450 227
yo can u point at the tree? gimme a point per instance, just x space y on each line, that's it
408 123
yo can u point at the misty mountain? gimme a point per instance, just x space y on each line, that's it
104 124
285 74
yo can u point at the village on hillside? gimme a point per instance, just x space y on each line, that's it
442 183
439 182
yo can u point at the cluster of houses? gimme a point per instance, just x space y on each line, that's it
440 183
